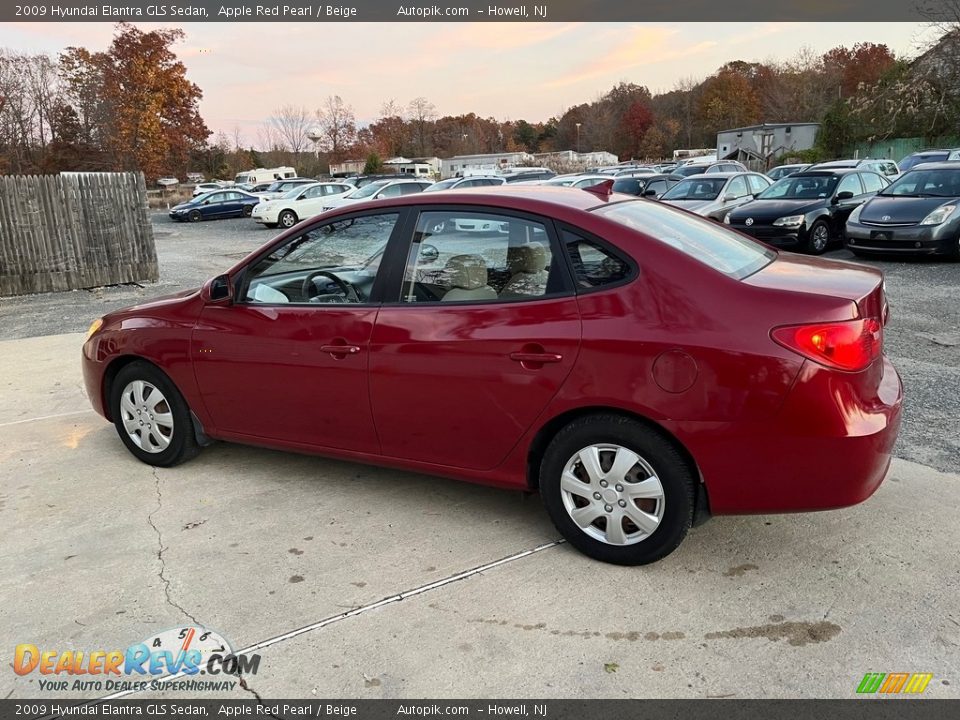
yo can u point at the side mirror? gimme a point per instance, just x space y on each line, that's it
729 197
429 254
218 290
845 195
650 193
206 202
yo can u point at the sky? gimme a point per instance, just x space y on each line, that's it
509 71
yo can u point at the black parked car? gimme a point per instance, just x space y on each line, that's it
807 210
918 214
651 186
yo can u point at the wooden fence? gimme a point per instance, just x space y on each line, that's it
64 232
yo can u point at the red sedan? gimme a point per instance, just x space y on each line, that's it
641 367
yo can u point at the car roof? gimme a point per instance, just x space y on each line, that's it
938 165
819 170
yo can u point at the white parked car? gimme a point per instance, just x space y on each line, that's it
467 182
300 203
206 187
379 190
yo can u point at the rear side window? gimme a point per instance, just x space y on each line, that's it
711 244
593 266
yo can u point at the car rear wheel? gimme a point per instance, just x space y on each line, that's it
819 237
151 416
617 490
287 219
247 210
194 216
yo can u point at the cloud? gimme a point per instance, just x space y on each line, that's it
643 46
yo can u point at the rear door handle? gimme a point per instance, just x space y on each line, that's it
532 357
340 349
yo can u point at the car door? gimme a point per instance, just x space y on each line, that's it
843 206
309 202
735 193
482 333
212 206
287 360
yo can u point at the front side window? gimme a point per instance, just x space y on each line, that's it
850 183
334 263
757 184
872 182
737 187
479 257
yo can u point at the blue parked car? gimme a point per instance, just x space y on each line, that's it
214 205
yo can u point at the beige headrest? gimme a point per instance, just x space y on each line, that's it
527 258
465 271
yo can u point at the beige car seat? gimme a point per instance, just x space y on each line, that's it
466 276
528 271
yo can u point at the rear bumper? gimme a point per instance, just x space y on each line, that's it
829 447
916 240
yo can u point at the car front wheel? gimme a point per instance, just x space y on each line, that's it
194 216
819 237
151 416
617 490
287 219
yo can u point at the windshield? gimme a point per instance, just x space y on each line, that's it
367 190
926 183
442 185
800 187
292 193
697 188
909 162
711 244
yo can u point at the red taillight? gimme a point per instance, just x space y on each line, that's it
851 345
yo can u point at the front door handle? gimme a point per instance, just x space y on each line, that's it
340 350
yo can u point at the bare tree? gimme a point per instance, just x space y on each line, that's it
337 125
422 112
291 124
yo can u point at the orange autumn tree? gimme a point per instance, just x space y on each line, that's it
138 104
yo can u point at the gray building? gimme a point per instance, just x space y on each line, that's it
760 146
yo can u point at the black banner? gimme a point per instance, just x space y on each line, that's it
874 708
180 11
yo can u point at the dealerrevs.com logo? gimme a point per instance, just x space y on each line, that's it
157 662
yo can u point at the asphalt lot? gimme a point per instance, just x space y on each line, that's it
923 337
103 551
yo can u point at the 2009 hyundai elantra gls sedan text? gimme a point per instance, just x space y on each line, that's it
642 368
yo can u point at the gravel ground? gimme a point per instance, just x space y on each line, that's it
923 337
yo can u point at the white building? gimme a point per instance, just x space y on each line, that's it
759 146
493 163
420 167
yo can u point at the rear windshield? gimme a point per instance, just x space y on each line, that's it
712 244
911 160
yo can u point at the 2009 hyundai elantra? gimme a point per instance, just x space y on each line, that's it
641 367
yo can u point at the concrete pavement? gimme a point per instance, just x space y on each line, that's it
102 551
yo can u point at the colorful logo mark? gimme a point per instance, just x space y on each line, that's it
894 683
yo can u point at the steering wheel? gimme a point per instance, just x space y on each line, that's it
349 291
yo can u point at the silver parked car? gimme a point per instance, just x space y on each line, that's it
714 195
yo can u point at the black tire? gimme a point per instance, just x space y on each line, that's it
818 239
287 219
676 478
182 438
194 216
247 210
269 225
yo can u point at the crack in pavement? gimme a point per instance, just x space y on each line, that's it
161 548
260 701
